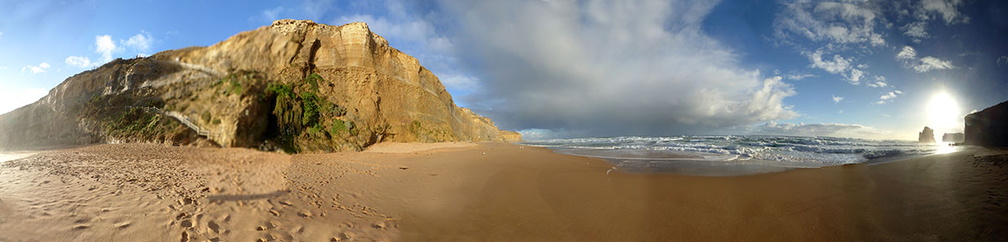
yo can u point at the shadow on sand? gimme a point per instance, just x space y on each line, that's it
248 197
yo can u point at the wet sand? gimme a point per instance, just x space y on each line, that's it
483 192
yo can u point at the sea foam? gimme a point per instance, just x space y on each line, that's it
779 151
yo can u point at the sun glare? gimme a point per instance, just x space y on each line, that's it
943 113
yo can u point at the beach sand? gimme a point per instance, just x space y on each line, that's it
483 192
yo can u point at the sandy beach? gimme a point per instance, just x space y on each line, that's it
483 192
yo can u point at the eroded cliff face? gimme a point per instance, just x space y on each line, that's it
294 85
988 127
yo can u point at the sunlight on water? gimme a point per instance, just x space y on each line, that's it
945 148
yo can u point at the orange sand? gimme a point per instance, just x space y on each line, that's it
482 192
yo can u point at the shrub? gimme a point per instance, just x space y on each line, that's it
310 105
313 80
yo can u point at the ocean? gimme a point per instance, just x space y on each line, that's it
729 155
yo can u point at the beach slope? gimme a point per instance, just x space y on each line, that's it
486 192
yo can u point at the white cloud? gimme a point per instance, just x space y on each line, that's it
106 47
880 81
917 30
1003 60
78 61
836 65
947 9
609 68
888 97
837 99
1 34
40 68
832 22
929 63
928 10
907 53
140 42
843 32
797 77
855 76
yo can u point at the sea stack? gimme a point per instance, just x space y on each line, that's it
296 85
926 135
953 137
988 127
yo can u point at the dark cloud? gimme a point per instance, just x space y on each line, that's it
608 68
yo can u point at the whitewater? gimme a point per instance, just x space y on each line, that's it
736 155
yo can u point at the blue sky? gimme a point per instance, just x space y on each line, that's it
873 69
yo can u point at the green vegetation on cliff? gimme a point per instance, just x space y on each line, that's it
304 118
119 119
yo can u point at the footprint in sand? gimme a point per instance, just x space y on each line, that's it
297 230
213 226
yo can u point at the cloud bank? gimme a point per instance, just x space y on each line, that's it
600 67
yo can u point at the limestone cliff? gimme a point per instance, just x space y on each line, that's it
988 127
295 85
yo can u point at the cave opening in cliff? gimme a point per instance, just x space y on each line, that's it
273 137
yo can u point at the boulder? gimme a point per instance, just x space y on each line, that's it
988 127
926 135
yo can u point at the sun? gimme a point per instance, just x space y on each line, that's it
943 113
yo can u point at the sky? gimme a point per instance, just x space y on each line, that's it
853 68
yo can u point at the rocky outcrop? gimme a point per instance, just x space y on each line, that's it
988 127
953 137
294 85
926 135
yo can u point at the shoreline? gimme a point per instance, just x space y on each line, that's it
483 191
637 161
